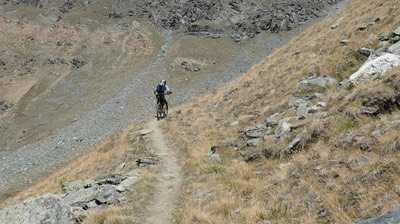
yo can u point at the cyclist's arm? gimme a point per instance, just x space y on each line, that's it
155 90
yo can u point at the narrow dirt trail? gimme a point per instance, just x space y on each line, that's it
169 178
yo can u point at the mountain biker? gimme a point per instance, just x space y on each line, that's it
160 91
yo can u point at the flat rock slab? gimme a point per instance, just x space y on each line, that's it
322 81
128 182
76 185
257 133
106 194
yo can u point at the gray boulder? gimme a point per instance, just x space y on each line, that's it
76 185
271 121
84 198
373 21
377 133
334 26
344 41
363 160
395 48
395 39
369 110
314 109
292 147
257 133
113 179
395 123
366 51
215 158
81 197
128 181
376 67
283 128
145 161
295 102
392 217
302 111
397 32
45 209
5 105
253 142
384 44
322 81
314 96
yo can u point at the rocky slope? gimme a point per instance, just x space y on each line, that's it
319 147
238 19
310 135
74 72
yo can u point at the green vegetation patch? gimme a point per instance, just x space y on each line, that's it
214 169
349 124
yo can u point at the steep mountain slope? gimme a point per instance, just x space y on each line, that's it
76 72
293 140
296 139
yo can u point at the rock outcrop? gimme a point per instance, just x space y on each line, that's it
392 217
283 128
45 209
239 19
380 60
244 19
79 196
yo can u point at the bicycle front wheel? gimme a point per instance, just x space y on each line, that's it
166 108
158 111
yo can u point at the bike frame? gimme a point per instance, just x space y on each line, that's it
162 106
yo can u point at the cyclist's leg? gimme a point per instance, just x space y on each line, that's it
163 103
158 99
166 107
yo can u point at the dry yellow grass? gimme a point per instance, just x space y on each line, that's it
329 179
110 215
105 158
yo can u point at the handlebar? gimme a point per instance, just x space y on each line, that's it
163 94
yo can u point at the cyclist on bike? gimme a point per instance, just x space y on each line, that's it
160 91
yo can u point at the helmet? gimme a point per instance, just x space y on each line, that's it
163 82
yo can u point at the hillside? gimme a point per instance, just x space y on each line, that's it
292 140
74 73
304 136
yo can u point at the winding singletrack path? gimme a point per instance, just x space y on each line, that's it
169 179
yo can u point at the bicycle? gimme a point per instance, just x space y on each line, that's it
162 106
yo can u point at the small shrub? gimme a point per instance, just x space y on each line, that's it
277 211
214 169
262 216
349 124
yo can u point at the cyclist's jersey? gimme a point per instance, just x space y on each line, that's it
160 89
